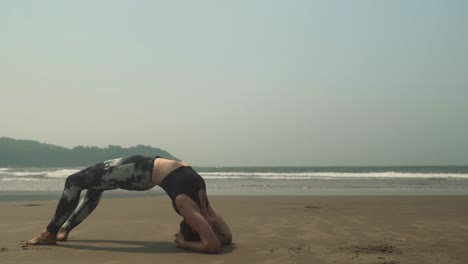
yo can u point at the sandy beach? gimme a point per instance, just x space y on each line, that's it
281 229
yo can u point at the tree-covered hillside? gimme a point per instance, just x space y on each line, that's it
29 153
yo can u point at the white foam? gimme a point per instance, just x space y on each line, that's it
24 179
327 175
60 173
23 173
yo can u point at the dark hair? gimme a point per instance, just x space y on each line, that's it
188 233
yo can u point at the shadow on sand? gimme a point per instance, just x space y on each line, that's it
131 246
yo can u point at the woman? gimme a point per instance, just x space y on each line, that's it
202 228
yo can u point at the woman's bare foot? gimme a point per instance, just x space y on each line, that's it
62 235
44 238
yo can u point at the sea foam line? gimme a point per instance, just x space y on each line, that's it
327 175
24 179
62 173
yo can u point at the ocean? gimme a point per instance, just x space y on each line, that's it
21 184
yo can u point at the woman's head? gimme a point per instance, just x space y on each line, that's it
188 233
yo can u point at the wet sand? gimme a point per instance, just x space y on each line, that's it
286 229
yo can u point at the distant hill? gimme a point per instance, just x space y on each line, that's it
29 153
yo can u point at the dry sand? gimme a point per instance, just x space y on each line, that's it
306 229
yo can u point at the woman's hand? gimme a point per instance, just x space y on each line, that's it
179 239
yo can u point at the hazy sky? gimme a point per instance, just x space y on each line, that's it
232 83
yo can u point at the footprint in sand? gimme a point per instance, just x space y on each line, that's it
374 249
295 251
25 246
391 262
311 207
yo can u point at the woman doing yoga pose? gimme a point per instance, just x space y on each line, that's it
202 228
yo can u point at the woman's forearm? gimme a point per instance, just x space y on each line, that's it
200 247
222 231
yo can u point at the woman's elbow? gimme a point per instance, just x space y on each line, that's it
213 247
226 239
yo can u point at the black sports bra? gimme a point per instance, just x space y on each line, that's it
183 180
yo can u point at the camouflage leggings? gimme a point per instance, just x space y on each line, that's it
133 173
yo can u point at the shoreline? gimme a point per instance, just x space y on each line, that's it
266 229
54 195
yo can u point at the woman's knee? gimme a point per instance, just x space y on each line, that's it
71 181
